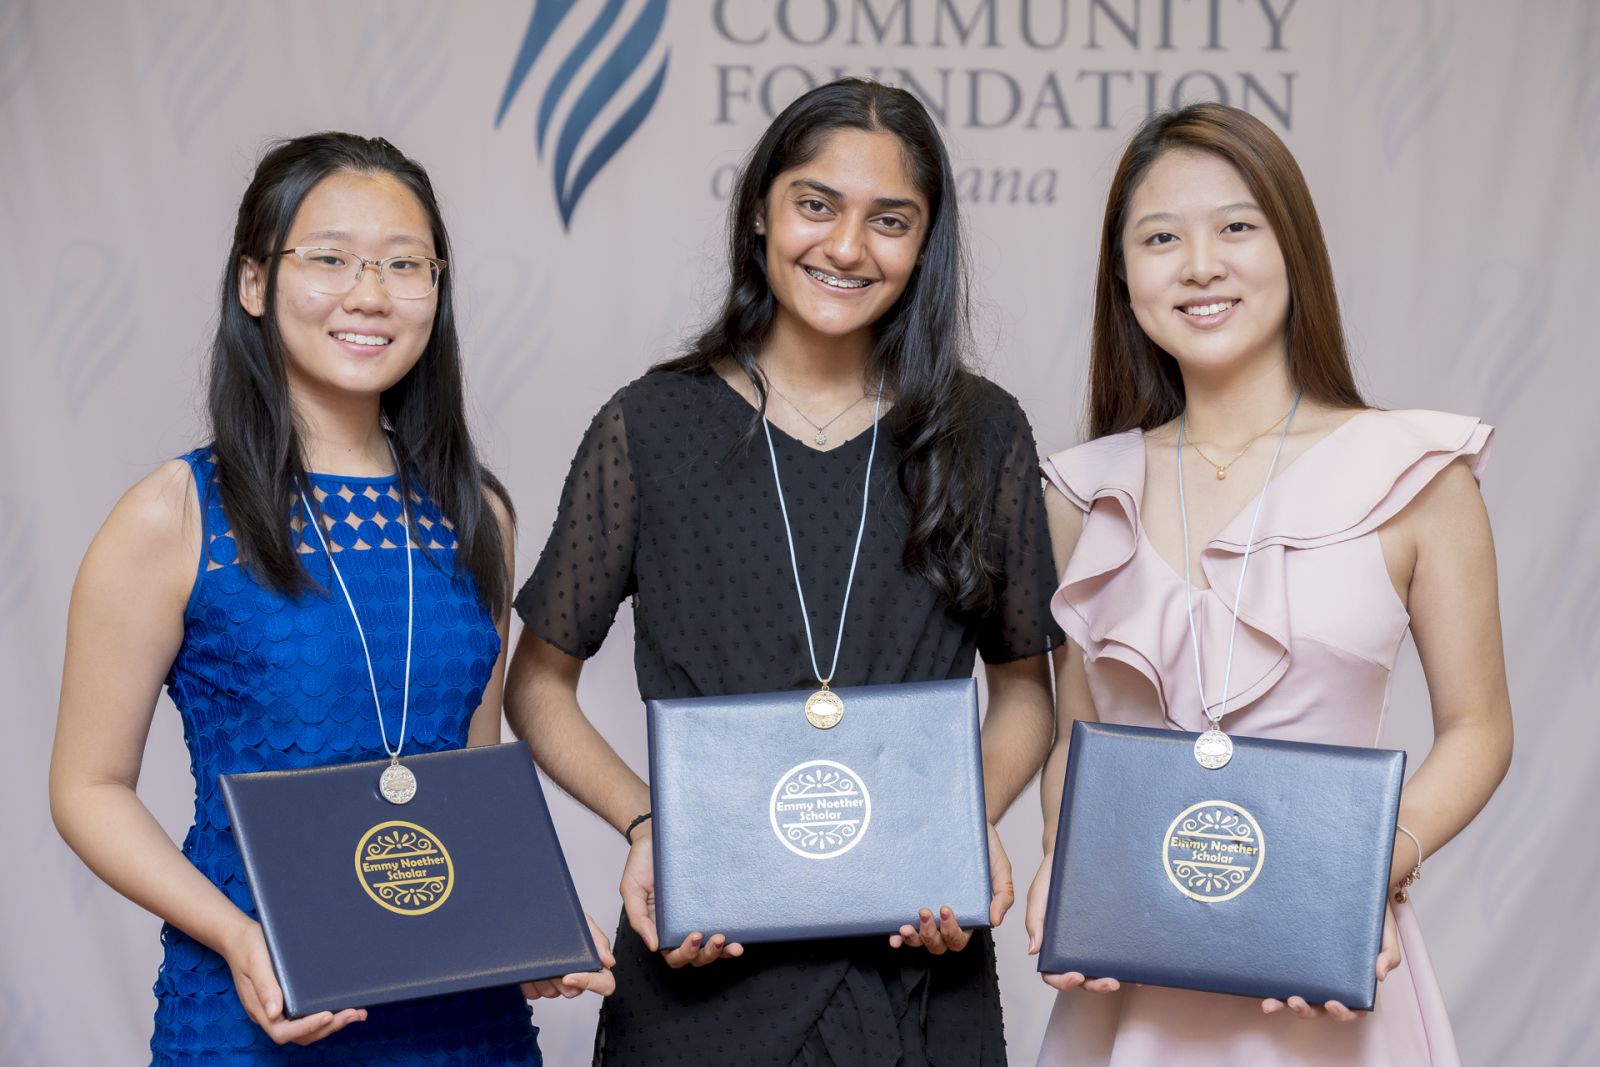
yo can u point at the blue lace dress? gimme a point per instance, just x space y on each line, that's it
267 683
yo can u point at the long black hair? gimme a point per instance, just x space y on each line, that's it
920 343
256 439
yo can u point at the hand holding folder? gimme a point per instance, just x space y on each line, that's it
1038 899
601 983
1266 879
257 986
639 901
947 935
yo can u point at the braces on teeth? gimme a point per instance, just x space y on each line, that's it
837 283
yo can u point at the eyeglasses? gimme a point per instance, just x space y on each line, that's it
335 272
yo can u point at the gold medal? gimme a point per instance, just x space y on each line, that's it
824 709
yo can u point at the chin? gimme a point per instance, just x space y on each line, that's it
832 326
1212 360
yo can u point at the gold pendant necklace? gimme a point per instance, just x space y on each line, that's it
1222 468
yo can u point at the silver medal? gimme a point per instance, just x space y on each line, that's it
1213 749
397 784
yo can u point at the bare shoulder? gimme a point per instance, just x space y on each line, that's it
150 543
1066 525
500 506
162 509
1451 501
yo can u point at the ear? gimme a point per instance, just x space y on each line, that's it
761 224
252 287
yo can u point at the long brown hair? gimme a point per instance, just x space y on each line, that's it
1132 382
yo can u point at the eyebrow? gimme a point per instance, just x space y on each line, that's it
1226 209
341 235
881 203
1161 216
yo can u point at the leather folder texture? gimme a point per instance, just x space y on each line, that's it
769 829
1265 878
365 902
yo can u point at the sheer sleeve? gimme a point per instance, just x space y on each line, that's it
1020 625
586 569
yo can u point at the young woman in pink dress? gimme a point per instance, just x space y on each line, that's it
1215 306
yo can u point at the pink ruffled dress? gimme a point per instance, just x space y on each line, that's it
1320 627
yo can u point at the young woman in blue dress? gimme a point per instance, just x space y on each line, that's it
335 377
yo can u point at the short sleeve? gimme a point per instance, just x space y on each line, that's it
586 569
1020 625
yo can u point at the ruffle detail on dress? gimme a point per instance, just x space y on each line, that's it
1119 600
1105 478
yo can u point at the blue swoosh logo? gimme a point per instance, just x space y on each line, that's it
571 175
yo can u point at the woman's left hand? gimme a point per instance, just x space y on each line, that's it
1388 960
602 981
946 935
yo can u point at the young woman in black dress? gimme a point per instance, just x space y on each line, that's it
847 268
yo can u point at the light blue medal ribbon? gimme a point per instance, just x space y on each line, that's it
396 784
1214 748
824 709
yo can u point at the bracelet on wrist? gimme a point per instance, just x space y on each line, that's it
1400 894
637 819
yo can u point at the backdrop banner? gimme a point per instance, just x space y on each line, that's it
584 150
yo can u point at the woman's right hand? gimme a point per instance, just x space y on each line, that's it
638 890
246 953
1038 902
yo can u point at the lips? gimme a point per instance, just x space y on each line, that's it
364 340
1214 307
837 281
1207 313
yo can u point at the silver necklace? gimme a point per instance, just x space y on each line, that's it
396 784
1214 748
824 709
821 436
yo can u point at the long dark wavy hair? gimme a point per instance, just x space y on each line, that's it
256 439
920 343
1132 382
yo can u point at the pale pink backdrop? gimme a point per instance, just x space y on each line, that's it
1453 148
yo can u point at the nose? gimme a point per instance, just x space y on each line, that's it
368 294
846 245
1202 262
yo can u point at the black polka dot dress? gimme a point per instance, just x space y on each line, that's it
669 502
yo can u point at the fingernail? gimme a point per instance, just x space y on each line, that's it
944 913
926 916
694 939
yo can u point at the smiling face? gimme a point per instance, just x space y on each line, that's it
1205 276
364 341
843 232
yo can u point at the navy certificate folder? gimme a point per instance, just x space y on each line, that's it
365 902
1265 878
767 828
